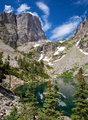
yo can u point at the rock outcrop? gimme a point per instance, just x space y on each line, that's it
29 28
18 29
7 101
81 35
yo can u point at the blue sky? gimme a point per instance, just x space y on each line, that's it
59 18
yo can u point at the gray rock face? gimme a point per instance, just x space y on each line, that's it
82 34
8 18
18 29
7 101
8 31
29 28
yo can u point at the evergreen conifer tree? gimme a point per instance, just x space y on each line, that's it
80 95
50 108
30 109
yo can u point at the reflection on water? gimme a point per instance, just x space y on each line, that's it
67 87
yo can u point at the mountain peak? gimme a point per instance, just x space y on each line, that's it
18 29
82 29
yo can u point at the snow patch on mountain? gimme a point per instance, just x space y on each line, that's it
50 64
59 49
78 43
41 57
36 45
61 41
85 53
46 59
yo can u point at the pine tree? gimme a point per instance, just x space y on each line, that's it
50 108
30 109
81 109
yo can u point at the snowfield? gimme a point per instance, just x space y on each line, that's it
36 45
41 57
78 43
59 49
85 53
61 41
50 64
46 59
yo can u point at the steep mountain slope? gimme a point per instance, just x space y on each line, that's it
74 58
18 29
7 50
67 53
24 32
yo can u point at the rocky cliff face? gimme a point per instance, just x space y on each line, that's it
16 30
29 28
81 35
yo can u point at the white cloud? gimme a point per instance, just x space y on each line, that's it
46 25
43 7
66 29
23 8
8 8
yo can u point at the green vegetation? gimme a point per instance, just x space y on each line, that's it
50 109
13 115
66 74
30 109
80 95
69 45
46 108
31 69
61 54
86 64
32 72
49 67
84 41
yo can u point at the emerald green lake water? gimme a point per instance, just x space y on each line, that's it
66 91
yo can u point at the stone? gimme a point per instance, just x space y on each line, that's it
18 29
